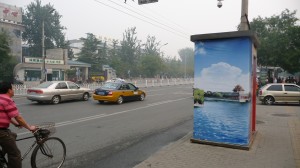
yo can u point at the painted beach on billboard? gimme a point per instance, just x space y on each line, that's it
222 91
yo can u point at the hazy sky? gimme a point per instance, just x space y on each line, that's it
170 21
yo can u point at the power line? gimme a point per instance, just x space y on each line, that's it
184 37
151 11
148 17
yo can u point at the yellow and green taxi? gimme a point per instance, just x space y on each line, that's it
118 92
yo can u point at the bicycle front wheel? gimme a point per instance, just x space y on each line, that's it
51 153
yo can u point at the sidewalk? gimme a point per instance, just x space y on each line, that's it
276 145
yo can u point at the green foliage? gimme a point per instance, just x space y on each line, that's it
33 18
217 94
151 65
173 67
130 54
7 62
199 96
90 52
187 57
279 40
4 47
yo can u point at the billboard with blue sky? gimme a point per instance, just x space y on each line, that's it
223 79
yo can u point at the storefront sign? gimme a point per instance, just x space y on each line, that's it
40 60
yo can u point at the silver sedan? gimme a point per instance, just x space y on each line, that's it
57 91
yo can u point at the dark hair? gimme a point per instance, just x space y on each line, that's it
4 87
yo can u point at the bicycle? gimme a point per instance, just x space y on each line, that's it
48 151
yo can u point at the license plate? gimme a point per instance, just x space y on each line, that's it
101 93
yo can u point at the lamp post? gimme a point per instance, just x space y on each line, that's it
43 78
163 45
185 67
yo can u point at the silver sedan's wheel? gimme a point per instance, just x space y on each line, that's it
85 97
269 100
55 99
142 97
120 100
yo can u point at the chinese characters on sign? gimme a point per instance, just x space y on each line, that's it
39 60
11 13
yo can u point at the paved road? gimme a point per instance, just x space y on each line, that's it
102 133
276 145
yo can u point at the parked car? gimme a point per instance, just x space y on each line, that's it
118 92
279 93
57 91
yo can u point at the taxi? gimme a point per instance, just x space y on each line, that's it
118 92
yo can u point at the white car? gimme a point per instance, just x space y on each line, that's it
57 91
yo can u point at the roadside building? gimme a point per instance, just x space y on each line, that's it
11 23
56 65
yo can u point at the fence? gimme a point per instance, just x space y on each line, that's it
21 89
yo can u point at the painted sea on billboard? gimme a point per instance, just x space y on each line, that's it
222 91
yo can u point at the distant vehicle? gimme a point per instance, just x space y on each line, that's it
279 93
118 92
57 91
116 80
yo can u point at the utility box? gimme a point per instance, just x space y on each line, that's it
225 89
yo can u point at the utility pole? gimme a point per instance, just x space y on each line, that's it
244 25
185 67
244 16
43 77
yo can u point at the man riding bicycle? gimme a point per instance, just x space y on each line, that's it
9 114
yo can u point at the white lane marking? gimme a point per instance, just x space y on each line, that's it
107 115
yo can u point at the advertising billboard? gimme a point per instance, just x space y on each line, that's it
11 13
223 91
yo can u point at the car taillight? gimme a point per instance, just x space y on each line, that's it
260 92
36 91
39 91
109 93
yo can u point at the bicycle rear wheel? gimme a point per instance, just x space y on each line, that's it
51 153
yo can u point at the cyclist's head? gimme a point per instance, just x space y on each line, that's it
5 87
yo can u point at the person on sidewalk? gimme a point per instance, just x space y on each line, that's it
9 114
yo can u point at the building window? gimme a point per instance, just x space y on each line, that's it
32 75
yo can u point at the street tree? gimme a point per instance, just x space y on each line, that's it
151 47
151 65
130 53
7 62
90 52
114 59
187 58
173 67
279 37
34 17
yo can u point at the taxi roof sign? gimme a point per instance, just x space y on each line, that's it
141 2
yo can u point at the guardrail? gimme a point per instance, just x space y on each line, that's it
21 89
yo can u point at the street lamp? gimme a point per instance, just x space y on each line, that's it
43 46
163 45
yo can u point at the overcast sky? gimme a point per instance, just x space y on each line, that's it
170 21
